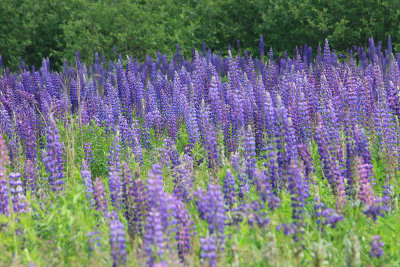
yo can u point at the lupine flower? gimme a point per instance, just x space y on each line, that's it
229 189
365 193
375 209
183 179
87 147
184 226
211 208
250 153
208 251
17 193
331 217
4 198
299 193
115 186
99 196
138 207
114 163
264 189
376 250
87 181
157 218
209 136
53 158
94 240
117 241
30 176
154 237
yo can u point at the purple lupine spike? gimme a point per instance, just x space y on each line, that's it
244 186
157 219
115 186
284 136
4 161
99 196
331 217
137 207
17 193
154 237
4 198
377 208
157 195
169 155
216 106
264 189
304 120
329 165
208 251
94 240
191 123
376 247
271 54
306 159
125 133
53 158
362 150
30 176
87 147
73 95
211 208
250 153
365 193
229 189
183 179
136 144
209 136
114 163
272 165
87 181
184 226
299 193
127 182
117 241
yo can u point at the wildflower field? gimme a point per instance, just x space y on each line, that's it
203 161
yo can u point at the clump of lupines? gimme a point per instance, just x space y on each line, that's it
336 119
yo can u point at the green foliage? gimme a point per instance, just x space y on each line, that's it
56 29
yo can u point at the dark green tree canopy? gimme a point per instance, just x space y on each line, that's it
56 29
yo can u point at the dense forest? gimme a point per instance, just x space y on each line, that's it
31 30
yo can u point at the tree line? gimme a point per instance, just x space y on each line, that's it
31 30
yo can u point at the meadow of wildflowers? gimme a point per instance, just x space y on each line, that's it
203 161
